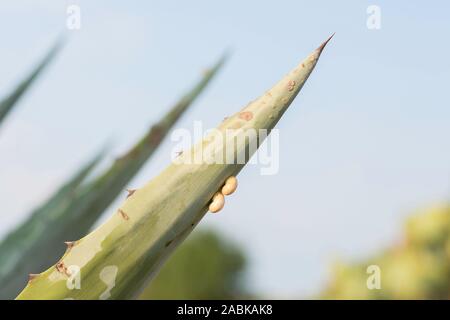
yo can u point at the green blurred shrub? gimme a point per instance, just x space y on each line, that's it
418 268
206 266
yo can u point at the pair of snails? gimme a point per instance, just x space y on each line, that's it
218 200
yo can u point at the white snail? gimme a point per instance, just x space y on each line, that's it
230 186
218 201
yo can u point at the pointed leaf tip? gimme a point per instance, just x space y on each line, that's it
227 53
222 60
320 48
8 103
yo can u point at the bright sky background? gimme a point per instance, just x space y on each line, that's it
364 144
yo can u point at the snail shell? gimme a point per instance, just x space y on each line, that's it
230 186
218 201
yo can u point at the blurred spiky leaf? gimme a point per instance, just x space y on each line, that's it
11 100
92 199
18 245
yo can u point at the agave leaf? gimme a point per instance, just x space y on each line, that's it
7 104
89 202
98 195
119 258
18 244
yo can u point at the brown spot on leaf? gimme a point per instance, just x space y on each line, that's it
303 65
123 214
291 85
246 115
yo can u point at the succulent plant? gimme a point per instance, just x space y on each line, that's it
119 258
88 201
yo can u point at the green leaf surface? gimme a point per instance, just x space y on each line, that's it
119 258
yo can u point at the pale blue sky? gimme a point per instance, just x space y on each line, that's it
365 142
